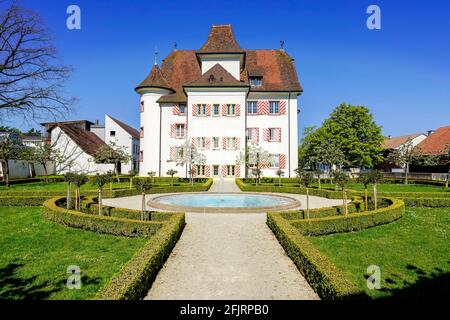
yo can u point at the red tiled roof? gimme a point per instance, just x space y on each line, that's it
217 76
220 39
395 142
88 141
436 142
130 130
154 79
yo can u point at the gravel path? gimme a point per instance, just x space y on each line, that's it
228 256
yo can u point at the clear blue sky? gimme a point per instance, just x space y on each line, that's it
401 72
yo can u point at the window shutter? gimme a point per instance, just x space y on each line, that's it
207 171
237 171
208 110
238 110
266 134
194 110
224 171
176 110
278 134
224 143
224 110
172 153
208 143
237 142
194 142
255 134
282 161
263 107
282 106
173 130
194 170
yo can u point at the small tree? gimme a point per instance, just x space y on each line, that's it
306 179
79 180
403 157
100 180
69 177
114 154
279 173
342 180
132 174
189 155
365 179
254 157
375 177
152 175
318 174
142 185
171 173
257 173
110 175
10 149
43 154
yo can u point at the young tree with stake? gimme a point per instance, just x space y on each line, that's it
171 173
80 179
142 185
342 180
100 180
69 177
306 179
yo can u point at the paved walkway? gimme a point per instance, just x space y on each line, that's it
228 256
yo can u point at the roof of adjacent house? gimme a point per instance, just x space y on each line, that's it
181 67
395 142
88 141
130 130
217 76
436 142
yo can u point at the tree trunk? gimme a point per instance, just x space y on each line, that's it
279 181
131 182
307 202
69 196
76 199
366 199
116 170
448 178
79 198
345 201
143 206
100 202
318 180
6 173
45 171
171 181
406 173
375 199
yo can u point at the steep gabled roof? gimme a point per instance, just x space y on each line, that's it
155 79
395 142
217 76
220 40
130 130
436 142
88 141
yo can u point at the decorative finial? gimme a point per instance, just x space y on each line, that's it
175 46
156 55
282 45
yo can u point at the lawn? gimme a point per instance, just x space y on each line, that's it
392 187
413 254
36 252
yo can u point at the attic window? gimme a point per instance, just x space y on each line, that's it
255 81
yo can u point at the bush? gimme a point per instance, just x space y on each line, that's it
135 278
427 202
351 222
22 201
323 276
415 194
102 224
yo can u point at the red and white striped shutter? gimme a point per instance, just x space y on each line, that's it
224 110
238 110
224 143
176 110
208 143
266 134
194 170
237 170
172 153
207 171
278 134
224 171
282 105
282 161
263 107
237 143
194 110
173 130
208 110
194 142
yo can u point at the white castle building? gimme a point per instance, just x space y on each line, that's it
219 98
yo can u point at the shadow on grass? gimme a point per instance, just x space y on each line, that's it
15 287
432 285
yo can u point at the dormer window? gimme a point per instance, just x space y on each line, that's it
255 81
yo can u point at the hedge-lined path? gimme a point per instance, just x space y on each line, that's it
224 185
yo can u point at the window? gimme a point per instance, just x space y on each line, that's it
248 134
216 143
182 108
275 160
272 134
141 156
274 107
230 170
200 170
255 81
179 152
216 110
142 132
180 131
201 109
215 170
142 106
112 133
231 143
252 107
201 142
231 109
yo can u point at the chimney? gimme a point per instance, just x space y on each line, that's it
389 137
97 122
430 132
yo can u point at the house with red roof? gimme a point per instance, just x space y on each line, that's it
437 142
219 99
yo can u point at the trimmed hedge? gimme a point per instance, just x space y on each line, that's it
102 224
351 222
427 202
415 194
28 201
322 275
135 278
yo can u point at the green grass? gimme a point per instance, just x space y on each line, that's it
413 254
36 252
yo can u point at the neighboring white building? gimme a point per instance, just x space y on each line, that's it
220 98
395 143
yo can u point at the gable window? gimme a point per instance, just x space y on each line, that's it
252 107
182 108
255 81
216 110
180 131
274 107
112 133
231 109
216 143
201 109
